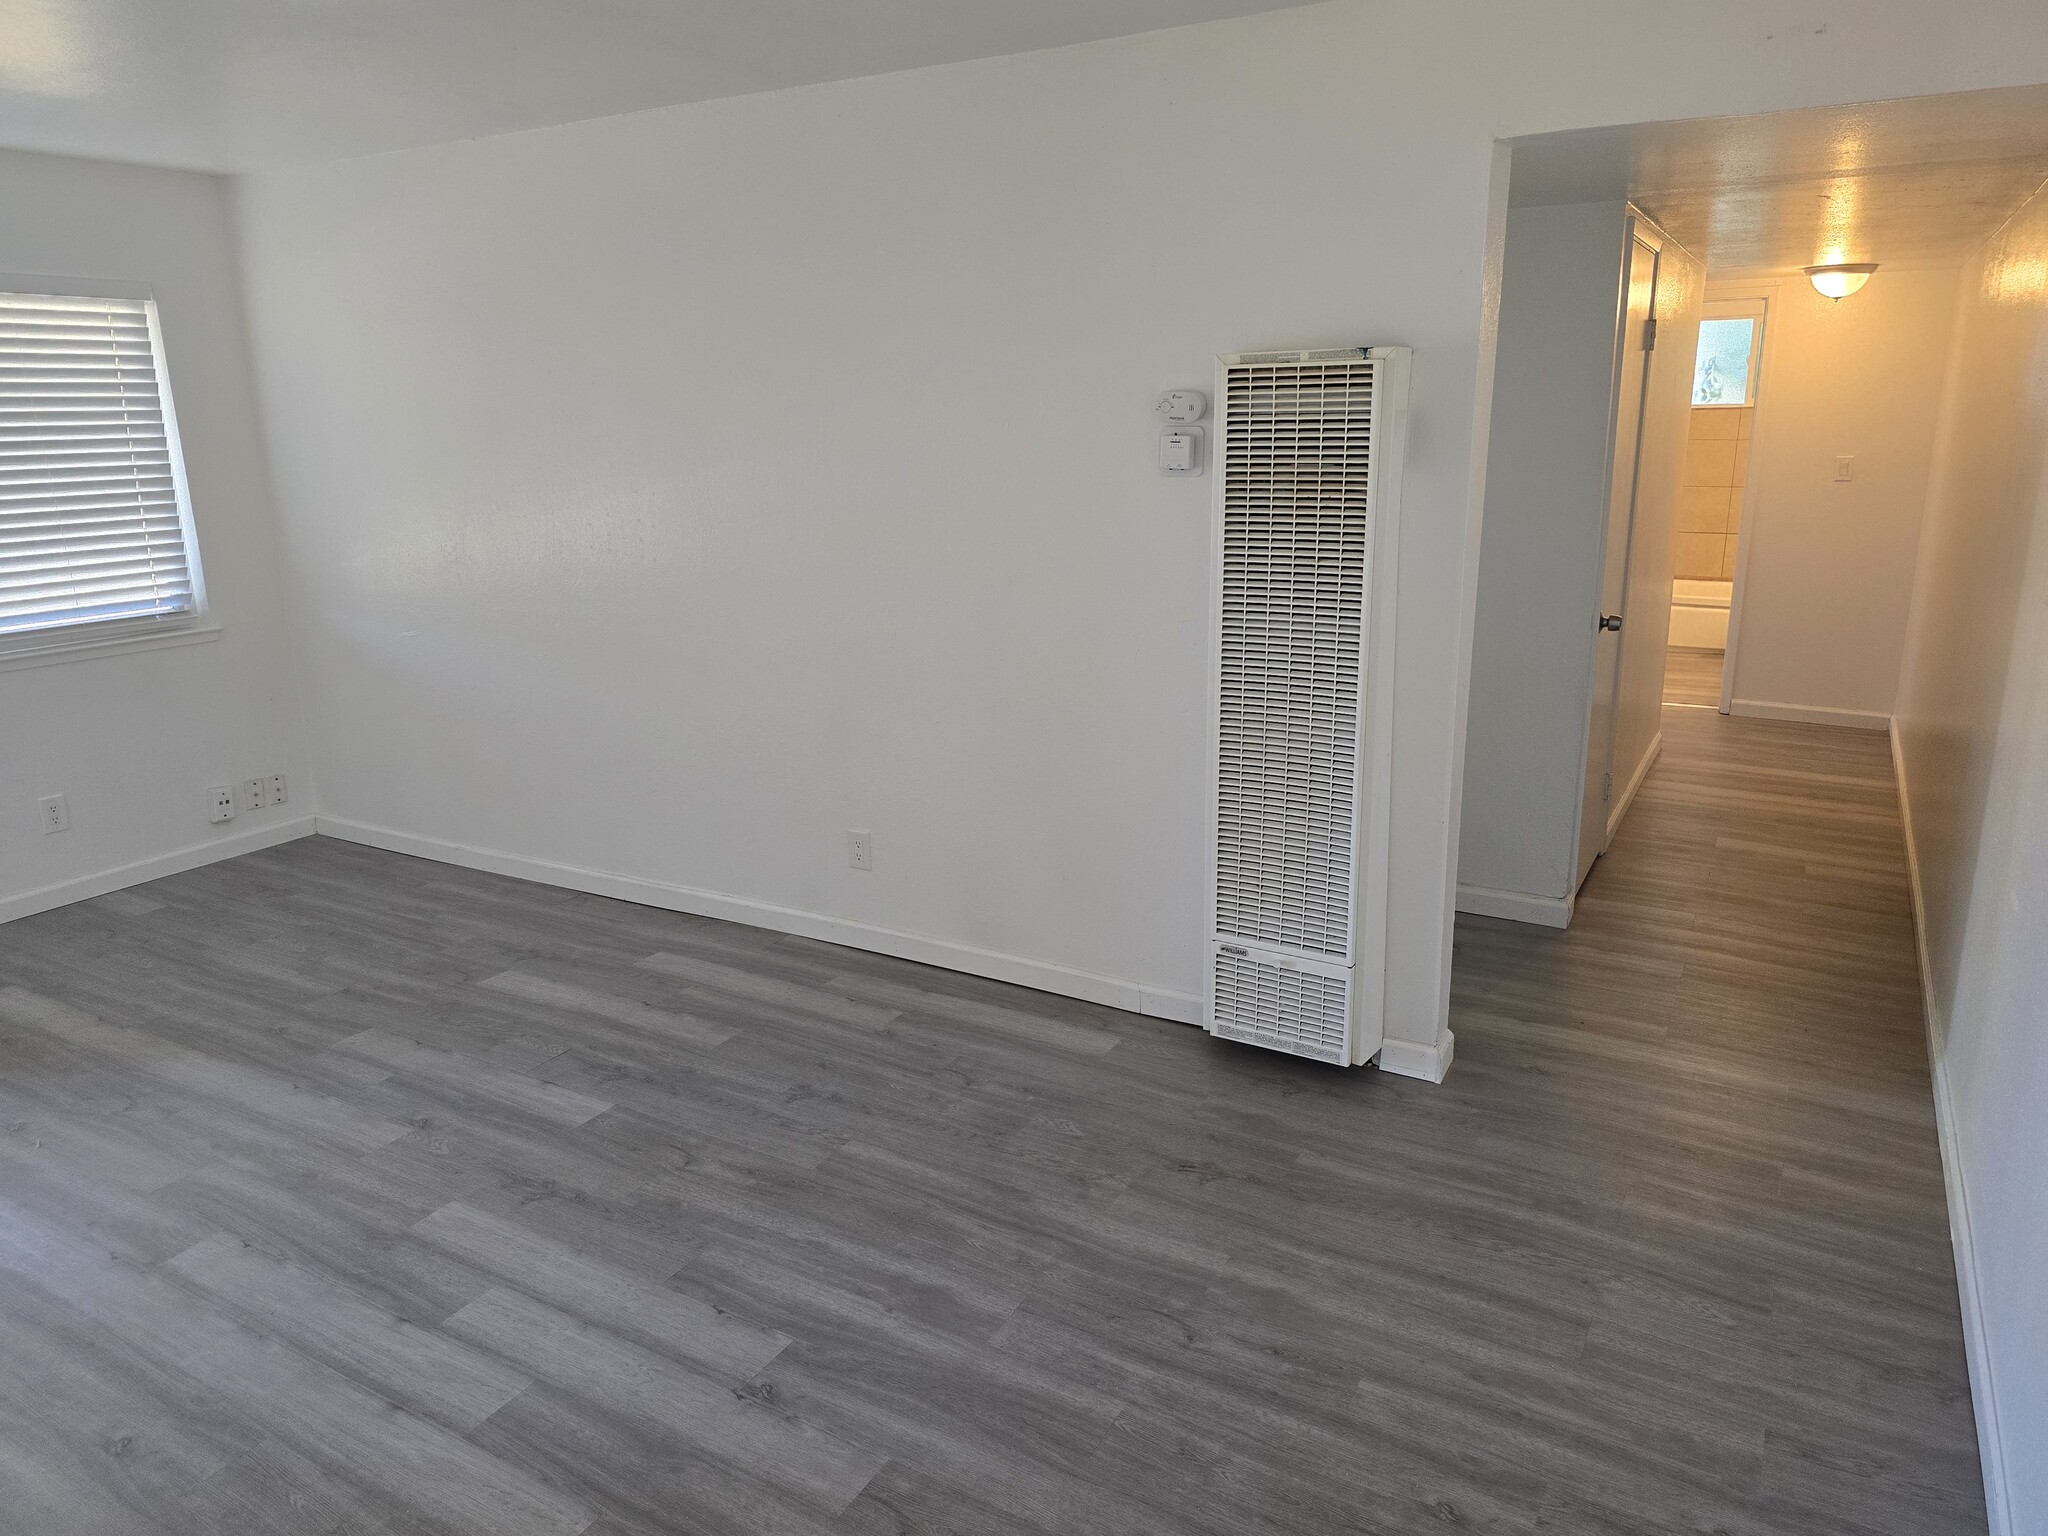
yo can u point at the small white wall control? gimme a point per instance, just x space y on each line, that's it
220 804
1180 451
273 790
1845 466
1182 405
251 796
56 814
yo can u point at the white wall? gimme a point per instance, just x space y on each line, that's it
133 740
1540 556
1829 566
1971 733
580 578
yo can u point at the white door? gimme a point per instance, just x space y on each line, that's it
1621 501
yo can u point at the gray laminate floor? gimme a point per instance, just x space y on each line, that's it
341 1192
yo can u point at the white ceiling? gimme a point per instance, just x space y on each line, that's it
234 85
1924 180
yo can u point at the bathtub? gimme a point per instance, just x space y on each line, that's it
1699 614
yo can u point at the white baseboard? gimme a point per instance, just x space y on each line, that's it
1042 975
85 887
1515 906
1812 714
1627 797
1428 1062
1976 1348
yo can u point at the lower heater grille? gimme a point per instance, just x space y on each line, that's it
1264 1003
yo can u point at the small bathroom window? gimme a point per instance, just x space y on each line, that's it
1724 371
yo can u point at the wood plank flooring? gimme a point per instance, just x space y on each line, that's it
1692 677
343 1192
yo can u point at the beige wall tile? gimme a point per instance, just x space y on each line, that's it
1703 509
1710 461
1728 560
1735 511
1712 422
1741 464
1700 556
1745 422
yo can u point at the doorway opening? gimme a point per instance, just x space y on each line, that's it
1713 506
1670 930
1706 543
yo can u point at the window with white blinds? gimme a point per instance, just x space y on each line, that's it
95 531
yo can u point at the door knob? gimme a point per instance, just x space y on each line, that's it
1611 621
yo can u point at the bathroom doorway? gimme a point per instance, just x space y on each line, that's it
1707 543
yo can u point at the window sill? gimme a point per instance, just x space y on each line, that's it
85 650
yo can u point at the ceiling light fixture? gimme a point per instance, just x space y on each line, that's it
1840 279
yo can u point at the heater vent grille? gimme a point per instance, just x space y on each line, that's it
1261 1002
1295 560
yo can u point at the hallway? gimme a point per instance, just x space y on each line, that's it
1720 1087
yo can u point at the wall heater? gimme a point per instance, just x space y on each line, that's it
1306 521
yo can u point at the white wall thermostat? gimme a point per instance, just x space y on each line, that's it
1182 405
1180 451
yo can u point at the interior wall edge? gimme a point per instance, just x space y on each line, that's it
142 871
1018 970
1976 1346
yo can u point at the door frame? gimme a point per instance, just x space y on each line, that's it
1764 294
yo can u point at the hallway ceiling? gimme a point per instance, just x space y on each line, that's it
1924 180
234 85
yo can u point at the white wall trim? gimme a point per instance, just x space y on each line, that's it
1405 1058
1976 1348
1042 975
1516 906
176 862
1812 714
120 645
1627 797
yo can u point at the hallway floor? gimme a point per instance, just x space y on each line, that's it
1692 677
348 1193
1720 1086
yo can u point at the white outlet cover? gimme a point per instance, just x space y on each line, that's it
56 813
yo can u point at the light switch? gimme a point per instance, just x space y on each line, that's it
1845 466
1180 451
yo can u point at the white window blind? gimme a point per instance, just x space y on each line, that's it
95 533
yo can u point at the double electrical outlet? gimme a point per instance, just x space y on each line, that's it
223 800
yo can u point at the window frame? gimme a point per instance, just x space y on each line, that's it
1734 309
127 632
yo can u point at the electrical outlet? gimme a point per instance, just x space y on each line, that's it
860 850
220 804
251 796
273 790
56 814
